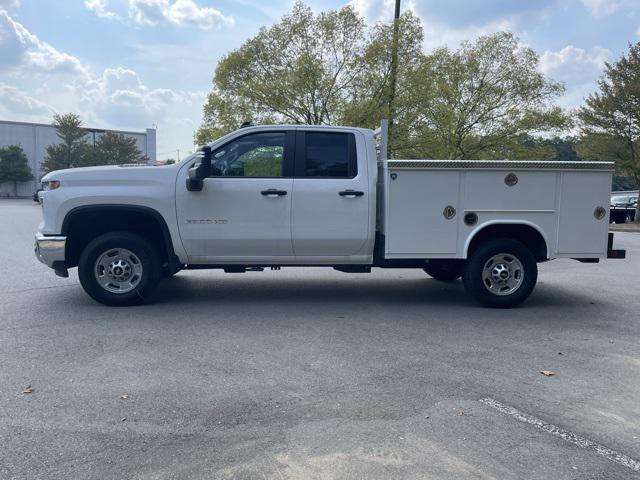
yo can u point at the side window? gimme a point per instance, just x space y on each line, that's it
253 155
330 154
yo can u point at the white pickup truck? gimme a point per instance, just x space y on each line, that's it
274 196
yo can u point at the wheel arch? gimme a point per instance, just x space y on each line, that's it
525 231
140 219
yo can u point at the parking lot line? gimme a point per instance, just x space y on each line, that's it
564 434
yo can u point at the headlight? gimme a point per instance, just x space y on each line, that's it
50 185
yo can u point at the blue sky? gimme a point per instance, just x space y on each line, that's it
136 63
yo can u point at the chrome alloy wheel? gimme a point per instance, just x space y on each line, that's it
502 274
118 270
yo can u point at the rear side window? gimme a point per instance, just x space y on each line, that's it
331 155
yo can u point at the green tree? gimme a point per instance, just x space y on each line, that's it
368 103
115 149
622 182
610 120
309 69
562 149
73 150
482 101
14 166
225 112
300 70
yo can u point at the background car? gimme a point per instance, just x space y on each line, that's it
623 207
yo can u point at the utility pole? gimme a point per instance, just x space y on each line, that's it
393 77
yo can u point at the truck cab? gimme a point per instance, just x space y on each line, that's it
299 195
284 195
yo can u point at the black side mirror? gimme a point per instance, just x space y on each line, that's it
200 171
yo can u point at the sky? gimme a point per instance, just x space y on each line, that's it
134 64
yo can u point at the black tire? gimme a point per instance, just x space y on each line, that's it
145 253
445 270
473 273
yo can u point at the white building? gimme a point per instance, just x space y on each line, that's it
34 138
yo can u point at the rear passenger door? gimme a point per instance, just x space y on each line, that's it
330 204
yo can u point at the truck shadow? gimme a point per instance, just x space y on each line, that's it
250 292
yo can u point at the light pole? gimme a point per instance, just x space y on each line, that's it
393 77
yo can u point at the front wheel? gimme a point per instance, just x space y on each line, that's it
119 268
501 273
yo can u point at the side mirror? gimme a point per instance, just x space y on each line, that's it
199 172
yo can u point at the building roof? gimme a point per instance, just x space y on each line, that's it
89 129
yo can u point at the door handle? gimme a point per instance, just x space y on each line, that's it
350 193
272 192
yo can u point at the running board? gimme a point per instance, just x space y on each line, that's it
353 268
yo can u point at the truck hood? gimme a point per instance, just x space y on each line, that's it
109 174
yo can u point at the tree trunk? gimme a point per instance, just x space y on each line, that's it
15 188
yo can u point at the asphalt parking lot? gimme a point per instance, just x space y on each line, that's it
314 374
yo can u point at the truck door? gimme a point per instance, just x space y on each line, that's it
243 213
330 210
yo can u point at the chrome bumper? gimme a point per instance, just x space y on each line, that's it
50 250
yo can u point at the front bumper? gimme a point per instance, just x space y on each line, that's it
50 250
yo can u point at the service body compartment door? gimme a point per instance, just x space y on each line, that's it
580 233
416 222
331 195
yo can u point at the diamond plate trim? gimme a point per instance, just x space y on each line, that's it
497 165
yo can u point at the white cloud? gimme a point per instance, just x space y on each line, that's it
114 79
9 4
114 98
149 12
178 12
118 98
99 7
118 95
573 60
577 68
21 49
15 101
441 34
184 12
437 33
115 89
374 10
608 7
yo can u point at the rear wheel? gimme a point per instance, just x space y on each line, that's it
501 273
119 268
445 270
